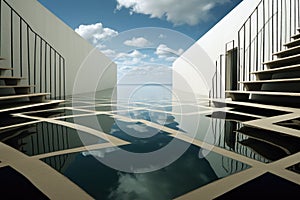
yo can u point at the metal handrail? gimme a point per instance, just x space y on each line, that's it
30 55
269 26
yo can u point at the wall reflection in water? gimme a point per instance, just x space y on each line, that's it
41 138
262 145
185 174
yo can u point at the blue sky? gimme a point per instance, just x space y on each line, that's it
117 28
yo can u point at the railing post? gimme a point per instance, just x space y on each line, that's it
11 42
40 60
0 27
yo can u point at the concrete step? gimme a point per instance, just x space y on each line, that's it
19 89
273 98
35 97
268 74
297 36
251 106
247 94
28 106
281 62
6 68
3 70
292 43
9 80
288 52
273 85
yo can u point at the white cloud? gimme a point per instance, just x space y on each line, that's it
133 54
162 36
95 33
138 128
178 12
137 42
109 52
130 59
171 59
163 51
99 153
144 74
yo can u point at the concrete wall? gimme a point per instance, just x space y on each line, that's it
78 53
196 67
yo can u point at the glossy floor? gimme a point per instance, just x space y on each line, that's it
149 147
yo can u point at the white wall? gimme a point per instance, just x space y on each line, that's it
196 67
77 52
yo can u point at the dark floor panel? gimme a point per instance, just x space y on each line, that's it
7 120
230 116
44 138
272 145
293 123
295 168
267 186
185 174
259 111
13 185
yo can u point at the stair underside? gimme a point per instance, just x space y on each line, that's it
291 60
272 81
275 85
230 103
27 106
288 99
291 94
297 36
279 69
11 97
288 52
293 43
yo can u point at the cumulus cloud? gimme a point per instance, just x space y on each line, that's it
163 51
130 59
137 42
96 33
109 52
178 12
133 54
162 36
144 74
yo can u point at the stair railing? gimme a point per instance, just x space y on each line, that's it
30 55
266 30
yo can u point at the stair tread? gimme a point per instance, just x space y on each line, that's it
253 104
22 106
282 59
272 80
292 42
265 93
6 68
293 49
286 68
8 97
16 86
296 36
11 77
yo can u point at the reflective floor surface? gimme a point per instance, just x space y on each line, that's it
149 147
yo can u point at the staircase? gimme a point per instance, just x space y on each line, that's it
15 97
279 84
